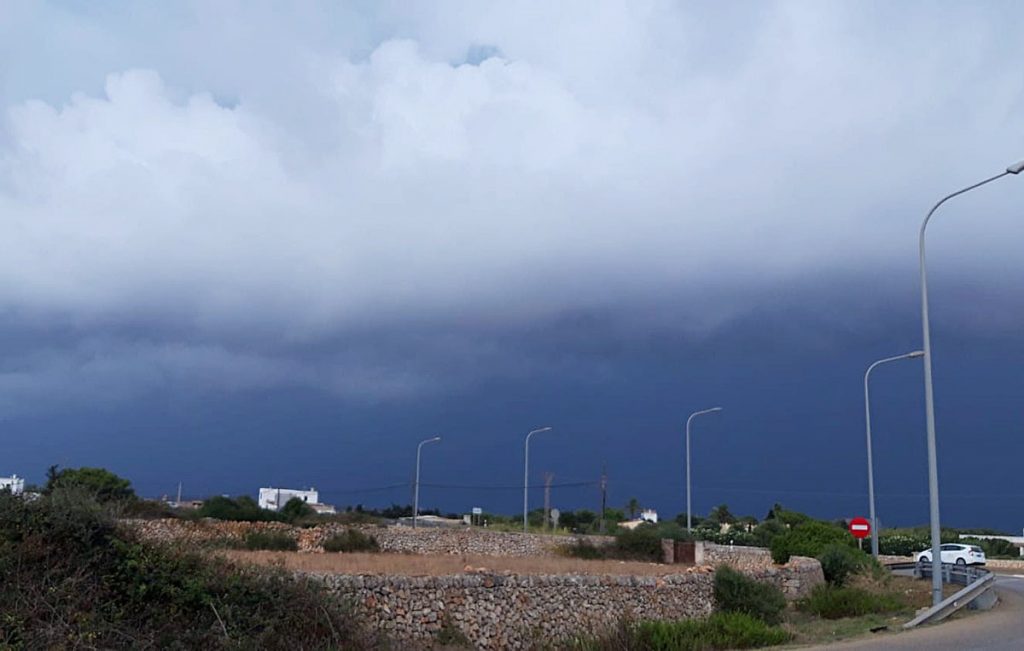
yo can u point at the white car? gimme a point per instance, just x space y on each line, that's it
953 553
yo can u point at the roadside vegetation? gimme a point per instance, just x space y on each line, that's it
747 615
73 579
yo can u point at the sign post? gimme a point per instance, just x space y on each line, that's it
860 528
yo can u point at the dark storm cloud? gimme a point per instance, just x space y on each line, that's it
206 195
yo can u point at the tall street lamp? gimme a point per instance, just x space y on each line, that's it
867 420
689 510
933 470
526 473
416 491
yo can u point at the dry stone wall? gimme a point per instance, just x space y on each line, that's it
475 541
517 611
505 611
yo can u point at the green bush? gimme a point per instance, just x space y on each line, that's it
737 593
994 547
583 548
243 509
839 562
766 532
72 578
270 540
902 544
295 509
352 540
808 539
103 485
642 543
720 631
834 602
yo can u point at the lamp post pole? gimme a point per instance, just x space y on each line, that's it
933 470
689 510
416 490
867 420
526 473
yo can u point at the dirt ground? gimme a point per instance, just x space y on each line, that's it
415 565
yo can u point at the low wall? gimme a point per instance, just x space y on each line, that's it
742 558
471 541
518 612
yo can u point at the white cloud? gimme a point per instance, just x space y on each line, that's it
302 174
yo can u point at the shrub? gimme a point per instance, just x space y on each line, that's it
72 578
808 539
295 509
838 562
352 540
583 548
994 547
737 593
271 540
642 543
720 631
765 532
243 508
834 602
450 635
901 544
103 485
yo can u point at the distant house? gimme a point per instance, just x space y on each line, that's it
274 499
647 516
14 483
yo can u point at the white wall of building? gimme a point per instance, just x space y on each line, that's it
275 498
13 483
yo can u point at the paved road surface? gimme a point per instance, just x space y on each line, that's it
1000 629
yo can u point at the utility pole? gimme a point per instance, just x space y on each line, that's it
604 493
179 494
548 476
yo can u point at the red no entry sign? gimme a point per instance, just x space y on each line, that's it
860 527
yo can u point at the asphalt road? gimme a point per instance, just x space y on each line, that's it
1000 629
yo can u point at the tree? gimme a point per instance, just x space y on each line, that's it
721 515
295 508
633 507
102 484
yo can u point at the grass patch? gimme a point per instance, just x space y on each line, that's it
720 631
352 540
270 540
835 602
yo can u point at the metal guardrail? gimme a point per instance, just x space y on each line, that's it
951 573
978 590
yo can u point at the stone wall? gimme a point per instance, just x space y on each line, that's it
742 558
518 612
475 541
498 611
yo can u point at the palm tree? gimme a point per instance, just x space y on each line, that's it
633 507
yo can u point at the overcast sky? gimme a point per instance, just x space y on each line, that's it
402 209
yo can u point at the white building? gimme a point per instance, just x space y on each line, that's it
14 483
649 515
275 498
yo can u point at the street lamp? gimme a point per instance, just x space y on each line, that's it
526 472
867 420
689 510
929 402
416 491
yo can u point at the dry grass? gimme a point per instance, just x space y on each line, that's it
416 565
916 593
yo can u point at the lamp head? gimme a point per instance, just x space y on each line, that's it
916 354
1016 168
